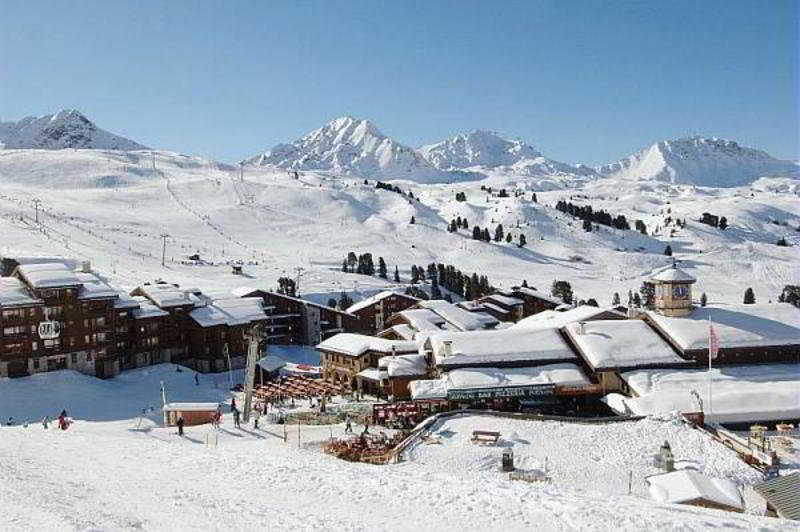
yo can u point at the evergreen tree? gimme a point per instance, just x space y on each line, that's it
508 237
382 273
592 302
791 295
332 301
723 223
458 221
703 299
587 225
436 293
486 236
668 251
498 233
476 233
749 297
525 283
345 301
648 292
453 226
396 275
637 300
465 225
522 240
782 242
352 260
562 290
534 199
414 275
344 265
615 301
413 221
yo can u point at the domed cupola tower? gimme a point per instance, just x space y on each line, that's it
673 292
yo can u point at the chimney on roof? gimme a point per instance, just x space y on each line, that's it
86 267
581 327
394 351
448 348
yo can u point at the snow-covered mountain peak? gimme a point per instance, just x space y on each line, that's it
67 128
352 146
479 147
704 161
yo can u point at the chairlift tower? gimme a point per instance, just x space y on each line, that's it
254 336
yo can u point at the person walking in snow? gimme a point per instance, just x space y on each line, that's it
180 423
348 424
256 416
233 404
236 418
45 421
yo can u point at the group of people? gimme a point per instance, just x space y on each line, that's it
63 421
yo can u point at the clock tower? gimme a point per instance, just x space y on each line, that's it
673 292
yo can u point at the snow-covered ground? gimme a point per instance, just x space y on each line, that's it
111 208
120 474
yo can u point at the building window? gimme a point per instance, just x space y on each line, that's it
74 358
52 344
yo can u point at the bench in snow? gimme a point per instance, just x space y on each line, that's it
485 437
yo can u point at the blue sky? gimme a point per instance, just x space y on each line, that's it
584 81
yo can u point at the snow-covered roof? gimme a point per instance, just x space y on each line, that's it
563 374
504 300
124 301
673 274
48 275
402 330
244 291
503 346
14 293
756 325
460 319
352 344
783 494
271 363
165 295
740 394
95 288
364 303
404 365
371 374
233 311
422 319
535 293
684 486
550 319
148 310
190 407
428 389
622 344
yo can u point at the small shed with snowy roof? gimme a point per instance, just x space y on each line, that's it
695 489
396 372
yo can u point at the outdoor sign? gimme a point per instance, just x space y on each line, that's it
49 330
503 392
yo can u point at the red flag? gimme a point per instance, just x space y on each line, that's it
713 342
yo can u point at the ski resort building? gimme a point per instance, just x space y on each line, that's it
516 303
351 360
292 320
436 315
373 312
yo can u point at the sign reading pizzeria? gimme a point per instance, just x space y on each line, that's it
502 392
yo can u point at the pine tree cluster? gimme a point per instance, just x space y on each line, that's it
444 275
365 265
589 215
287 286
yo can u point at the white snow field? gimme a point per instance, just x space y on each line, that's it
124 474
111 207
